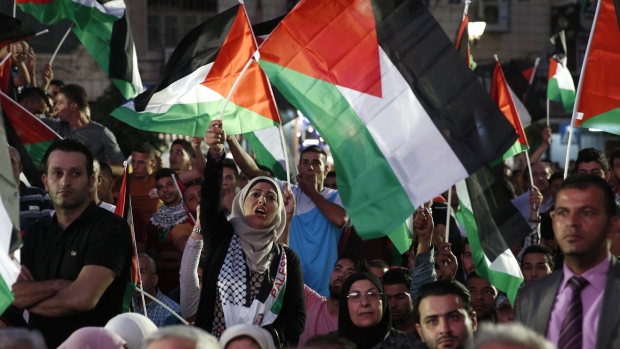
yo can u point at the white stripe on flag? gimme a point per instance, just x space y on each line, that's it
505 263
114 8
564 78
524 115
187 90
270 138
9 269
406 136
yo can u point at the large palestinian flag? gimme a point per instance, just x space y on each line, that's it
267 146
599 99
199 77
505 99
561 87
382 83
33 133
103 28
493 224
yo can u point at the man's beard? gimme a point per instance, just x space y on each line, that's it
334 291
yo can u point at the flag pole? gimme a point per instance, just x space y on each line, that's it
6 58
135 245
547 112
288 173
14 8
60 44
579 87
189 214
534 70
448 213
467 2
144 293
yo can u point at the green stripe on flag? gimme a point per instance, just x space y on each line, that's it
515 149
264 156
6 295
194 119
37 150
57 10
608 121
363 172
277 305
401 238
560 95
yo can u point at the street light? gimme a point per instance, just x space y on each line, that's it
475 30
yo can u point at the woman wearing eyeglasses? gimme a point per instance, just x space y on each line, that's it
364 316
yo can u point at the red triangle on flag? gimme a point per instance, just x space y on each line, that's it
341 48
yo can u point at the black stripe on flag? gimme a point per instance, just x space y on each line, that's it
198 48
121 51
456 102
500 225
12 29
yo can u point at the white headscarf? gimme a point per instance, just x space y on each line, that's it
257 243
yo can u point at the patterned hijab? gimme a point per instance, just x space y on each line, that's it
364 338
257 243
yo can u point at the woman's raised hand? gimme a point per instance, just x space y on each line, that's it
215 137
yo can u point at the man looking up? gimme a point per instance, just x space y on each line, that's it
319 218
444 315
75 267
322 312
584 291
74 123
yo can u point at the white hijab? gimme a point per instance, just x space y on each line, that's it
257 243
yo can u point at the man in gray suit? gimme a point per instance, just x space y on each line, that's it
586 292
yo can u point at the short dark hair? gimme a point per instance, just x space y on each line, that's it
398 275
443 288
589 155
584 181
331 174
106 170
187 146
542 249
164 172
557 175
230 163
379 263
359 263
313 149
144 148
69 146
57 82
34 93
329 341
77 94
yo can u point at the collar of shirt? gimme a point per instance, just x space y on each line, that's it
596 276
86 217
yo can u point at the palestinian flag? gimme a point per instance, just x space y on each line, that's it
403 116
561 87
33 133
103 28
124 209
199 77
462 41
599 98
12 30
267 146
505 99
493 224
10 238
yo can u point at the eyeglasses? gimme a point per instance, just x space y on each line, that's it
371 296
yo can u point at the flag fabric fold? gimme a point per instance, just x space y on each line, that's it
599 98
104 31
267 146
33 133
124 209
560 87
505 99
198 78
382 83
492 224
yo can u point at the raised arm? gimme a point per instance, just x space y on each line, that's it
334 213
243 159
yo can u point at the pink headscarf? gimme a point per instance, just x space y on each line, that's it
93 338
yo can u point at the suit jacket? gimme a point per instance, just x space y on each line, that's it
535 301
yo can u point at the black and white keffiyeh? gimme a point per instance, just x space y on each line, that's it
169 216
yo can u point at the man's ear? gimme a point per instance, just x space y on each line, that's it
155 279
474 320
44 180
419 329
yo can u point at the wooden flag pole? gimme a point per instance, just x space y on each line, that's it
60 44
576 114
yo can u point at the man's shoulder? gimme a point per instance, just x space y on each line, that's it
536 288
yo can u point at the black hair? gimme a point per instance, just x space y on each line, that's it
230 163
590 155
187 146
331 174
542 249
329 341
32 93
106 170
379 263
359 263
557 175
399 275
312 149
443 288
69 146
164 172
615 154
584 181
76 94
57 82
144 148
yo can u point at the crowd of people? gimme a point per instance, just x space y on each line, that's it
231 257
